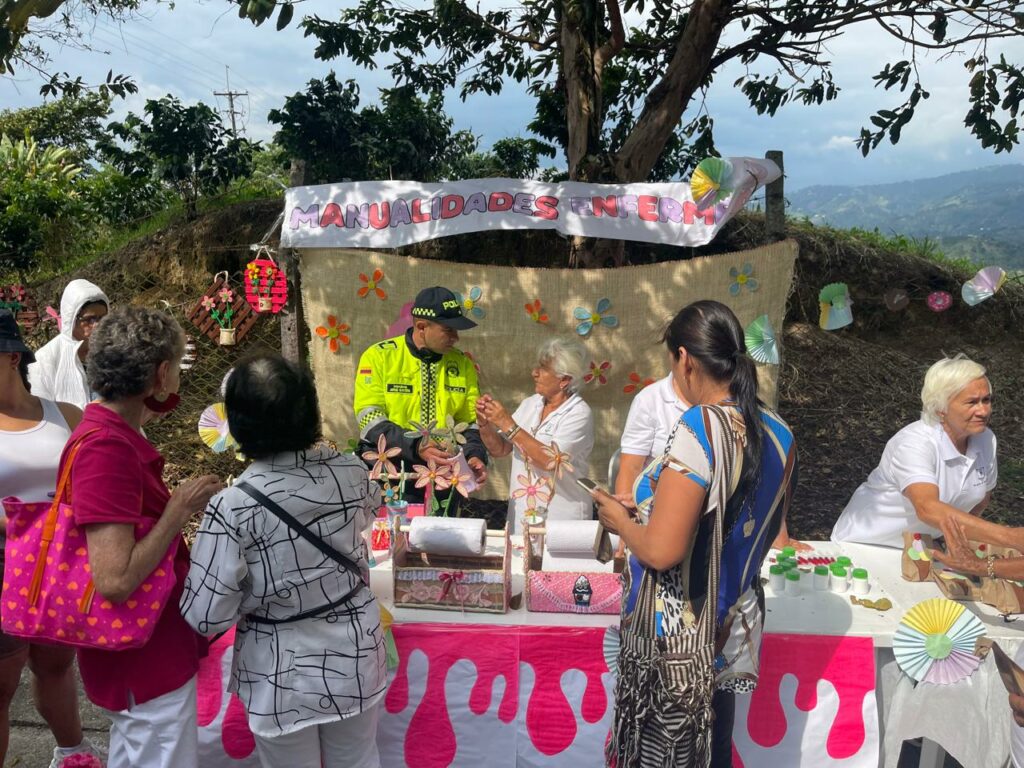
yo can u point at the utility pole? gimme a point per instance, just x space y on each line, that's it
232 112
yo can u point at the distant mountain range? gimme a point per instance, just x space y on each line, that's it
977 215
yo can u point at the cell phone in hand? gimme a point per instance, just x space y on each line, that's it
1011 674
589 485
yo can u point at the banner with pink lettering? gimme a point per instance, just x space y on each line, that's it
525 697
388 214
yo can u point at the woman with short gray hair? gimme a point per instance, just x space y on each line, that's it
131 521
550 426
936 473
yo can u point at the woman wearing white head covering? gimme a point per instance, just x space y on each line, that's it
59 371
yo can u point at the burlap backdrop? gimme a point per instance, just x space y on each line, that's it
505 341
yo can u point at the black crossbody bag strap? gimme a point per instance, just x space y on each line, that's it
276 509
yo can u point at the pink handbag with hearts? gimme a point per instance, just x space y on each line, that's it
48 594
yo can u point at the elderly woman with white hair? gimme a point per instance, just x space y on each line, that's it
937 474
554 418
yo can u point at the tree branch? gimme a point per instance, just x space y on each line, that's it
616 42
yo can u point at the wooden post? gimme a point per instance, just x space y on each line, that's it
293 329
775 200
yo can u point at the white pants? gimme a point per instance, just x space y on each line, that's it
162 733
348 743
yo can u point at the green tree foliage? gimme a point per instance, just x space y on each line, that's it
187 148
515 158
404 137
41 210
71 122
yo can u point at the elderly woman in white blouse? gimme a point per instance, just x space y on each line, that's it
552 425
936 475
309 657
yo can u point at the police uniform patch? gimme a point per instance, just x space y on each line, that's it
455 389
403 389
452 369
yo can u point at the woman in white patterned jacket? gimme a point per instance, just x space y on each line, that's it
309 656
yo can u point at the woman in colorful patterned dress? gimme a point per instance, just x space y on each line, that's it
708 510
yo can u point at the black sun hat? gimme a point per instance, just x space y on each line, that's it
441 306
10 336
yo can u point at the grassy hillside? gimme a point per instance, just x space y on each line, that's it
845 392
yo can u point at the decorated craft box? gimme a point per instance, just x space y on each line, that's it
453 583
569 591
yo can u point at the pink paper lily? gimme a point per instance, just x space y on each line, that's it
559 462
432 475
457 483
382 458
533 489
208 303
226 295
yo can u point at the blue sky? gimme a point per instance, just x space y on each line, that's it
184 50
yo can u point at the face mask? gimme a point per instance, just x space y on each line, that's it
166 405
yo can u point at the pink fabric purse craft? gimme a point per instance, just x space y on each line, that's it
48 594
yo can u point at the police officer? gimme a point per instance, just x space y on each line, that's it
421 377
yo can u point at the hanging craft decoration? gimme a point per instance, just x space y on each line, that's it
896 299
935 642
939 301
597 372
471 304
636 383
710 182
533 489
741 278
835 303
213 429
266 289
221 314
610 647
372 283
984 285
589 320
19 300
536 313
333 333
762 344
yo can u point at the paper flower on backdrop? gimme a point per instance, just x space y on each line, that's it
213 429
536 313
984 285
836 310
762 344
333 333
636 383
743 277
597 372
533 489
471 304
896 299
382 459
252 271
207 303
939 301
432 475
710 182
226 295
371 283
934 642
558 462
589 320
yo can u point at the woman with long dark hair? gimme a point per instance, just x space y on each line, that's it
708 510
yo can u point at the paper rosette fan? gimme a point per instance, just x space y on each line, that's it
709 183
762 344
213 429
610 648
984 285
935 640
835 307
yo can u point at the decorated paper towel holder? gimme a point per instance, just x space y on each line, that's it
452 583
568 591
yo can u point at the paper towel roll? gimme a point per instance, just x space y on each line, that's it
448 535
575 563
571 537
